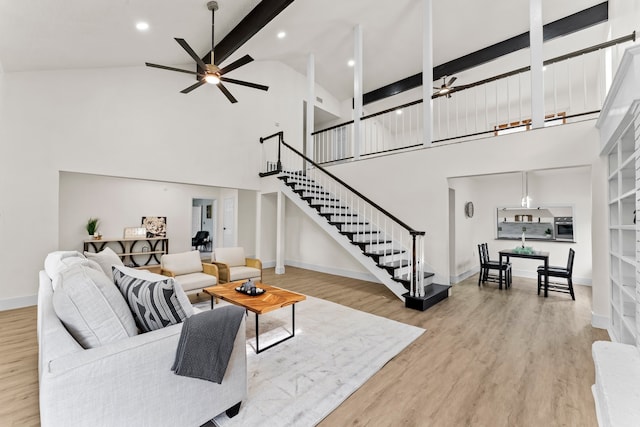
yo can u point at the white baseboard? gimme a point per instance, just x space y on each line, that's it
18 302
518 273
268 264
599 321
460 277
335 271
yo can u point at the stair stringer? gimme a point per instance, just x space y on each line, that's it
367 262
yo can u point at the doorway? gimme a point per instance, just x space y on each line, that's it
203 218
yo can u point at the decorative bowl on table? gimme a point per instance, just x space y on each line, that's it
527 250
249 288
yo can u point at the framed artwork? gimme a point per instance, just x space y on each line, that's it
156 226
135 232
208 211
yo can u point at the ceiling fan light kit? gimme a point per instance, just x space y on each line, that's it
211 73
445 88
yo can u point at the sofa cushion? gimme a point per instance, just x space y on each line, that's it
91 308
195 281
233 257
57 261
240 273
182 263
105 258
153 299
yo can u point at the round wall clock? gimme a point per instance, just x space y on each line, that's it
468 209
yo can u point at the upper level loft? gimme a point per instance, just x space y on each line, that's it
574 88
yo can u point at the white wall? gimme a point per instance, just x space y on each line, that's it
129 122
268 215
247 221
548 188
120 203
309 246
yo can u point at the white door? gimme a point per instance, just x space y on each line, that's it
196 219
228 223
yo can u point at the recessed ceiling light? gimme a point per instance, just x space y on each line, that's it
351 63
398 112
142 26
282 35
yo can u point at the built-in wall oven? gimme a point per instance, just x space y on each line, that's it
563 228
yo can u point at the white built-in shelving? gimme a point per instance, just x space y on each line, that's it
624 235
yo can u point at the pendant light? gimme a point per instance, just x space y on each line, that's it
526 200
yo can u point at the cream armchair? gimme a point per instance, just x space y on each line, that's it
189 271
233 265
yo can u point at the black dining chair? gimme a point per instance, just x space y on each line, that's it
486 265
559 272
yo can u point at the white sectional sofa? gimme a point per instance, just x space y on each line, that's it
125 377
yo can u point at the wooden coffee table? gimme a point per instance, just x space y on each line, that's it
273 299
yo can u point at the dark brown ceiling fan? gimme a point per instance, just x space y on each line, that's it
446 88
212 73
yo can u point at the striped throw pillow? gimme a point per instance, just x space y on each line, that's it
153 302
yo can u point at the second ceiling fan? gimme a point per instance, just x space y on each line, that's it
446 88
212 73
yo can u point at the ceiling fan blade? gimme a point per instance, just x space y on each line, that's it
243 83
193 86
226 93
236 64
164 67
436 88
191 53
453 79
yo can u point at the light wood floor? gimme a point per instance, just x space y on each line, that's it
488 358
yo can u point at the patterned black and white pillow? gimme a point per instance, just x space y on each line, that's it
153 302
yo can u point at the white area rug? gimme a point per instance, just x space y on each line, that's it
300 381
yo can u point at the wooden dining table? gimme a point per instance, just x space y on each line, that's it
540 255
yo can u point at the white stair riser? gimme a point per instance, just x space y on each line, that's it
334 210
378 247
390 258
356 228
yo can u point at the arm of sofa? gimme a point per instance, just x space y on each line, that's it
166 272
130 382
223 270
211 269
255 263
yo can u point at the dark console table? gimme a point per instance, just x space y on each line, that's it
132 248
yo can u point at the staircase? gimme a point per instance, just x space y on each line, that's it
389 249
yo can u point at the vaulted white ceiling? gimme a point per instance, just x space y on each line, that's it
72 34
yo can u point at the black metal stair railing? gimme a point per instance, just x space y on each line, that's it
393 245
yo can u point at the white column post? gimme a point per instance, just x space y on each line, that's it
311 102
427 73
537 76
258 250
357 90
280 235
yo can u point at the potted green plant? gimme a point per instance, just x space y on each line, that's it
548 232
92 227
